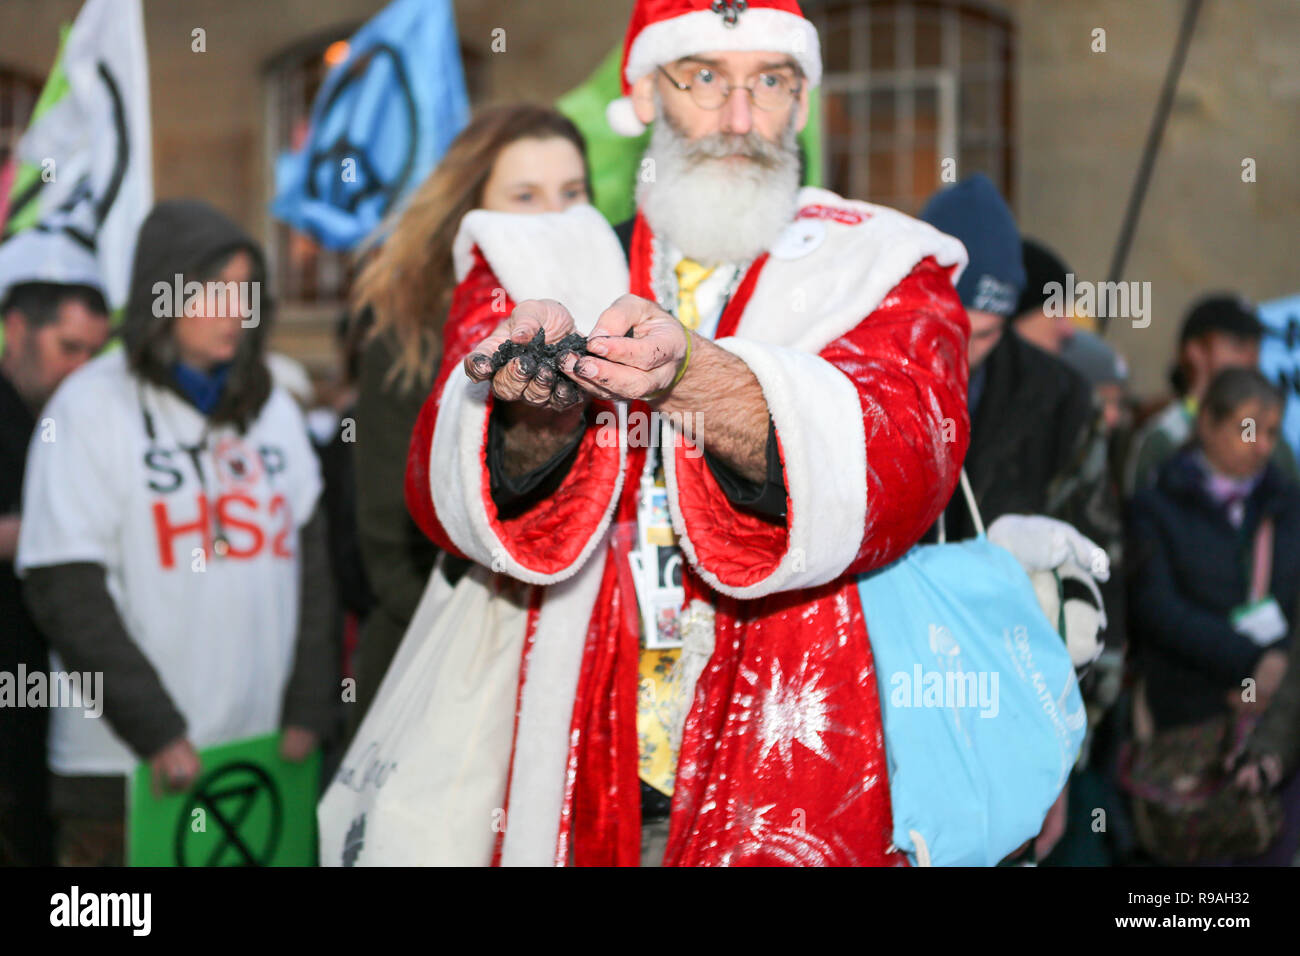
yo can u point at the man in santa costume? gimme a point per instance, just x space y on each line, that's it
693 664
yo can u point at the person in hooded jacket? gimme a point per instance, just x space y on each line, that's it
171 538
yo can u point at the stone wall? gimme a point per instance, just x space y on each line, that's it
1081 120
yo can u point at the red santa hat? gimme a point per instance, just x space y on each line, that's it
662 31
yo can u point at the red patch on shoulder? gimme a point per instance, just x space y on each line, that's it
847 217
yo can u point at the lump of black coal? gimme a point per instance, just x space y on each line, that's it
543 353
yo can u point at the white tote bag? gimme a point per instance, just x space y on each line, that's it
420 781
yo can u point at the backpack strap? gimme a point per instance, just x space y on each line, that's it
970 503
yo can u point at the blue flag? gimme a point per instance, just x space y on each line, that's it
382 120
1279 360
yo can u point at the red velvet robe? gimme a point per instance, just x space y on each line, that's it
782 758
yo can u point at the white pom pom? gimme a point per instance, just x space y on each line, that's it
622 119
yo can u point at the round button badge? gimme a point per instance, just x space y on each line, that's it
799 239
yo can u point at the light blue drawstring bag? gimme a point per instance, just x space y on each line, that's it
981 709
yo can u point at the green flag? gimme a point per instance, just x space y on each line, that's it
614 159
86 174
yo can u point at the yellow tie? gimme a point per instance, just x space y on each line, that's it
689 275
657 760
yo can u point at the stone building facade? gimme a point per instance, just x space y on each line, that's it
1021 89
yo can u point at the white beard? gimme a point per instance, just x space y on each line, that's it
716 211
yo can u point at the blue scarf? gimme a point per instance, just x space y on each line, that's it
203 389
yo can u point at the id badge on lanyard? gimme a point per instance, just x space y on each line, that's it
656 557
656 560
1260 618
1262 621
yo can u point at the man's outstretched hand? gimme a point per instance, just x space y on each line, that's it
629 367
636 351
542 410
522 379
639 351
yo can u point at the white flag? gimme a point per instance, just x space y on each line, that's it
93 144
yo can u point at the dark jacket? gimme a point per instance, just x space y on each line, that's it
395 554
1026 430
1188 568
24 825
339 500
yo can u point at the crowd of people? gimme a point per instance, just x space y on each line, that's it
167 520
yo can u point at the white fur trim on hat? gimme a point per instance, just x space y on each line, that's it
704 31
622 118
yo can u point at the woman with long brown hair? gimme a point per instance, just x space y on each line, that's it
520 159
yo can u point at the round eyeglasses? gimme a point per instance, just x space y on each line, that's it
767 91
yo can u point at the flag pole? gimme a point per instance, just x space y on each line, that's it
1154 135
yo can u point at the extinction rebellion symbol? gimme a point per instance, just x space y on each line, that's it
243 814
81 213
333 134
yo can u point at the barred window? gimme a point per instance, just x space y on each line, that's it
909 84
305 273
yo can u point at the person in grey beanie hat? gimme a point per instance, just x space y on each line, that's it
1092 358
175 454
1103 368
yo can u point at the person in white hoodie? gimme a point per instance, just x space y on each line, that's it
171 540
